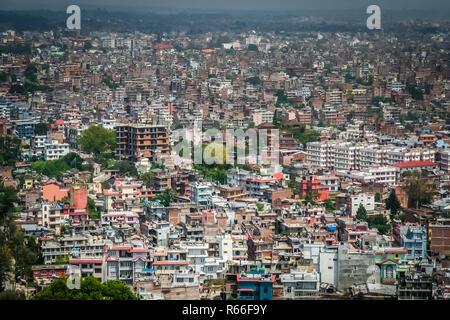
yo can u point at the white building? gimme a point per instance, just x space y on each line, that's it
386 175
321 154
445 161
120 217
54 150
365 199
328 266
264 116
201 193
338 155
300 284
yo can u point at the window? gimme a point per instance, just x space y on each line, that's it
266 289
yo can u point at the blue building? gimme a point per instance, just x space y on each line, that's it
25 128
255 285
414 238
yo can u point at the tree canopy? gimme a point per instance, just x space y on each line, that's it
361 214
166 197
97 140
148 178
90 289
54 168
9 150
126 168
392 203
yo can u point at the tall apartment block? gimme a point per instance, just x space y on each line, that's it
137 141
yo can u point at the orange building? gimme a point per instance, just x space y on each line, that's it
54 191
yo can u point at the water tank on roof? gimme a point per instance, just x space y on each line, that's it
331 227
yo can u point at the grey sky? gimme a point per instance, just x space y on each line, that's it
218 5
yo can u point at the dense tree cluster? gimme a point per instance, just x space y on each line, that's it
97 140
54 168
90 289
17 252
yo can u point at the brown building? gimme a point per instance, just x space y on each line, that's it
440 238
137 141
233 193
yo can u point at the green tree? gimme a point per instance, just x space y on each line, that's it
41 129
97 140
377 197
108 80
90 289
148 178
329 205
54 168
311 197
5 265
94 213
292 184
281 97
392 203
361 214
8 197
12 295
260 206
62 259
117 290
166 197
253 81
419 191
9 150
379 222
126 168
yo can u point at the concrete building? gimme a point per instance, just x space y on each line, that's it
136 141
414 239
255 285
328 265
53 150
125 262
201 193
353 266
365 199
300 284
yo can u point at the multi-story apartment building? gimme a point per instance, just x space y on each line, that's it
126 262
367 200
85 266
395 155
89 246
347 156
414 239
321 154
445 161
201 193
323 185
120 217
262 117
136 141
386 175
170 261
300 284
371 156
50 216
54 150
